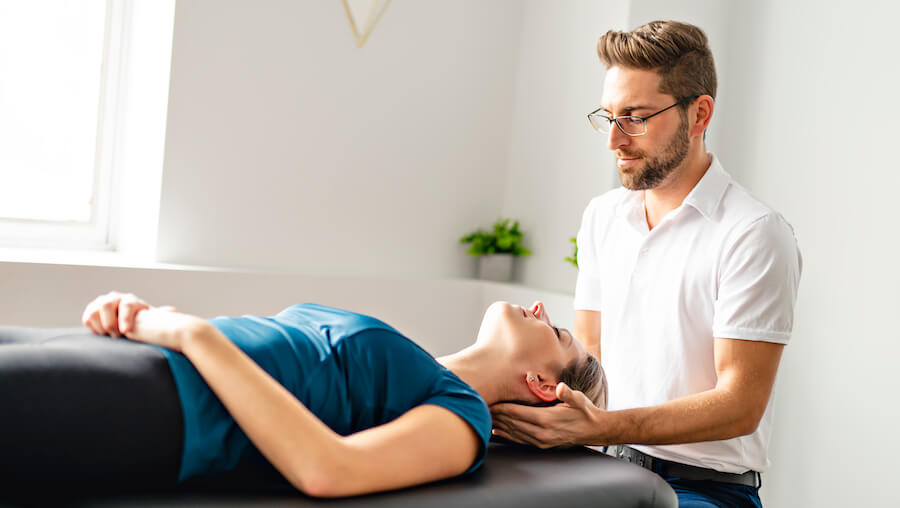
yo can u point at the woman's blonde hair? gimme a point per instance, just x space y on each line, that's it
679 52
586 375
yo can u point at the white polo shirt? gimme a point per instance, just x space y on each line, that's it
720 265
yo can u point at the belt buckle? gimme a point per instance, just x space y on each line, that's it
644 461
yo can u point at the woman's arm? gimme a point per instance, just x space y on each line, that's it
425 444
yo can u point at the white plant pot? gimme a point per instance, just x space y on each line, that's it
496 267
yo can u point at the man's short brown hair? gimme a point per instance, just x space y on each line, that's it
679 52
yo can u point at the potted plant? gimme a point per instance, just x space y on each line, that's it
496 248
574 258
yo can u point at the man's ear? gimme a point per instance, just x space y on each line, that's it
541 387
705 107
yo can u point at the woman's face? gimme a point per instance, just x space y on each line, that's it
531 334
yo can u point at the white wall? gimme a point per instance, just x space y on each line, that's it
443 316
812 117
290 148
557 162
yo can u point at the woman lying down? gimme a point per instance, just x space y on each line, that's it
339 403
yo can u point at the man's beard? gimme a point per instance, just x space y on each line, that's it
658 168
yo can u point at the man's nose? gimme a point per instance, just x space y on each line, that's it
617 138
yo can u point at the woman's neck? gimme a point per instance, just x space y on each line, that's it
482 370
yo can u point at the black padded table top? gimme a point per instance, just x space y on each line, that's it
512 476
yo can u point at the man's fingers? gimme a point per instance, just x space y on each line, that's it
574 398
518 437
505 435
571 397
518 412
524 432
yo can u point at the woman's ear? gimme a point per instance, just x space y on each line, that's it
540 387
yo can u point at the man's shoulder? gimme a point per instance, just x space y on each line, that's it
742 213
740 205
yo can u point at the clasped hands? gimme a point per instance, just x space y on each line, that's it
124 314
573 421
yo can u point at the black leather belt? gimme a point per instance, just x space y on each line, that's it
669 469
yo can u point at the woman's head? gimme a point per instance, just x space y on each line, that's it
586 375
540 353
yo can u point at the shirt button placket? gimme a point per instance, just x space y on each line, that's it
638 265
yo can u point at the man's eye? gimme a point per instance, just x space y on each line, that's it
633 120
556 331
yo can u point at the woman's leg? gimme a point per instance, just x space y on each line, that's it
88 412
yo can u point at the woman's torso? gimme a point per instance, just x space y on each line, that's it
353 371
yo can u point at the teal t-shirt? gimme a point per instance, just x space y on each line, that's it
352 371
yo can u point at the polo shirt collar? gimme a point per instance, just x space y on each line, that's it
708 193
705 196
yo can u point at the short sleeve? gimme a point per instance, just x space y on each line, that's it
453 394
759 274
588 287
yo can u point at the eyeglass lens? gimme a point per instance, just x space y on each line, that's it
628 124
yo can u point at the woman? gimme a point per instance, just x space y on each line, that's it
339 403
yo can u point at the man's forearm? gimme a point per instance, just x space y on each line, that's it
707 416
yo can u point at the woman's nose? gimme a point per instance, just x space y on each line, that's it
537 308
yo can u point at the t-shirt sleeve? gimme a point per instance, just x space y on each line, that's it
588 287
758 279
453 394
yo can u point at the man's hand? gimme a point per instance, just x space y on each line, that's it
575 421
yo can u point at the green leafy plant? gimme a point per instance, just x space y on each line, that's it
574 258
502 239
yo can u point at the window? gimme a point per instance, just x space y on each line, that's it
65 110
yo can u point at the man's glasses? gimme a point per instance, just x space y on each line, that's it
629 124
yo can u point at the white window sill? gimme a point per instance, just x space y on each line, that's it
91 258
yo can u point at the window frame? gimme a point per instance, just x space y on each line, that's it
98 233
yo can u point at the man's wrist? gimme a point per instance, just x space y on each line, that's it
597 430
608 427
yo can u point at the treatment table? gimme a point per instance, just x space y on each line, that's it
512 476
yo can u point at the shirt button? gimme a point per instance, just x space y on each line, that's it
645 250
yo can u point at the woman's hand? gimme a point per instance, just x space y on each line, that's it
113 313
124 314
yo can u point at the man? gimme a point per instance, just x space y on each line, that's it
695 280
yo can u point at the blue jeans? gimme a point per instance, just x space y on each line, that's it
707 494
